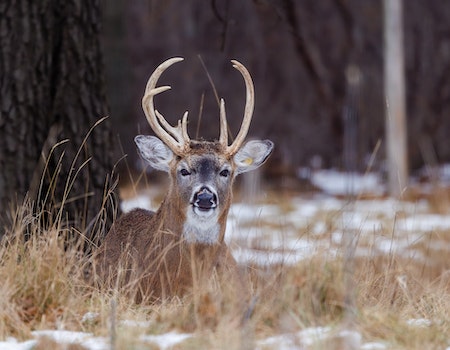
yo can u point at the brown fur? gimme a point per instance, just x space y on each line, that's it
145 252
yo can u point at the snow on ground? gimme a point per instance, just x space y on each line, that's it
167 340
318 337
304 339
266 234
308 338
337 183
90 342
140 201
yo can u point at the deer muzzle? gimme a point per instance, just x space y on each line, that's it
205 199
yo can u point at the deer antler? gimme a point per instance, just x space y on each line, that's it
248 112
176 138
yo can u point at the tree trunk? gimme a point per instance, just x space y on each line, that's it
52 91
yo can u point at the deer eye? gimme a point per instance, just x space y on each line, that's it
224 173
185 172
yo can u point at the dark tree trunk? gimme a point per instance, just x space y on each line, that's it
52 89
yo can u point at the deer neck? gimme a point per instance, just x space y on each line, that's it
205 231
207 234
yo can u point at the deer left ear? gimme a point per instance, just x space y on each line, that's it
154 151
252 155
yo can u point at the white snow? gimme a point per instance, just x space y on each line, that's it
141 201
13 344
292 341
419 322
339 183
316 337
63 336
87 340
424 222
308 337
373 346
167 340
60 336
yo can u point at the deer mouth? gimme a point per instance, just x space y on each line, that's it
203 208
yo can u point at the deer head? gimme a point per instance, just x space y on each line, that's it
201 172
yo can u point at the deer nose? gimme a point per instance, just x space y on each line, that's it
205 199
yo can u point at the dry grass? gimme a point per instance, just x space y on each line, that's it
43 287
40 279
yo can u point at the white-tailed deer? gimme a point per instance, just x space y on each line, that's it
163 251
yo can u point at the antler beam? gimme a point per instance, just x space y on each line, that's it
248 113
176 138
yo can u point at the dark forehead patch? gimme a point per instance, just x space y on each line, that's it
206 166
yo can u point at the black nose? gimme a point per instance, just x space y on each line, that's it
205 199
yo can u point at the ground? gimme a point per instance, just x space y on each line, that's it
342 267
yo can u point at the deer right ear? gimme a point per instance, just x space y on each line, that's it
252 155
154 151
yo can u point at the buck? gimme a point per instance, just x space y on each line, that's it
162 252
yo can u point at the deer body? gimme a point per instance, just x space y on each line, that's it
163 253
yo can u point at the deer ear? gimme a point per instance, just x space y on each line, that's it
154 151
253 154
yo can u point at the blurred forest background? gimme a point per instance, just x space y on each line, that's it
298 53
66 64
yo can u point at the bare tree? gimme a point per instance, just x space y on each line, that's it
394 85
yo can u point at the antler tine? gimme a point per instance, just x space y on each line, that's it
248 111
184 132
176 138
223 138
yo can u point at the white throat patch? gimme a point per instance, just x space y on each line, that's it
201 229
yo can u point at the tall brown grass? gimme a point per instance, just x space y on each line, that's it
40 278
43 285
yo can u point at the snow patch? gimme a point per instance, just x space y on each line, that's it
424 222
340 183
167 340
309 337
373 346
419 322
87 340
140 201
13 344
63 336
293 341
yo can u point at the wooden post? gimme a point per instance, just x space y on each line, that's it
394 89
